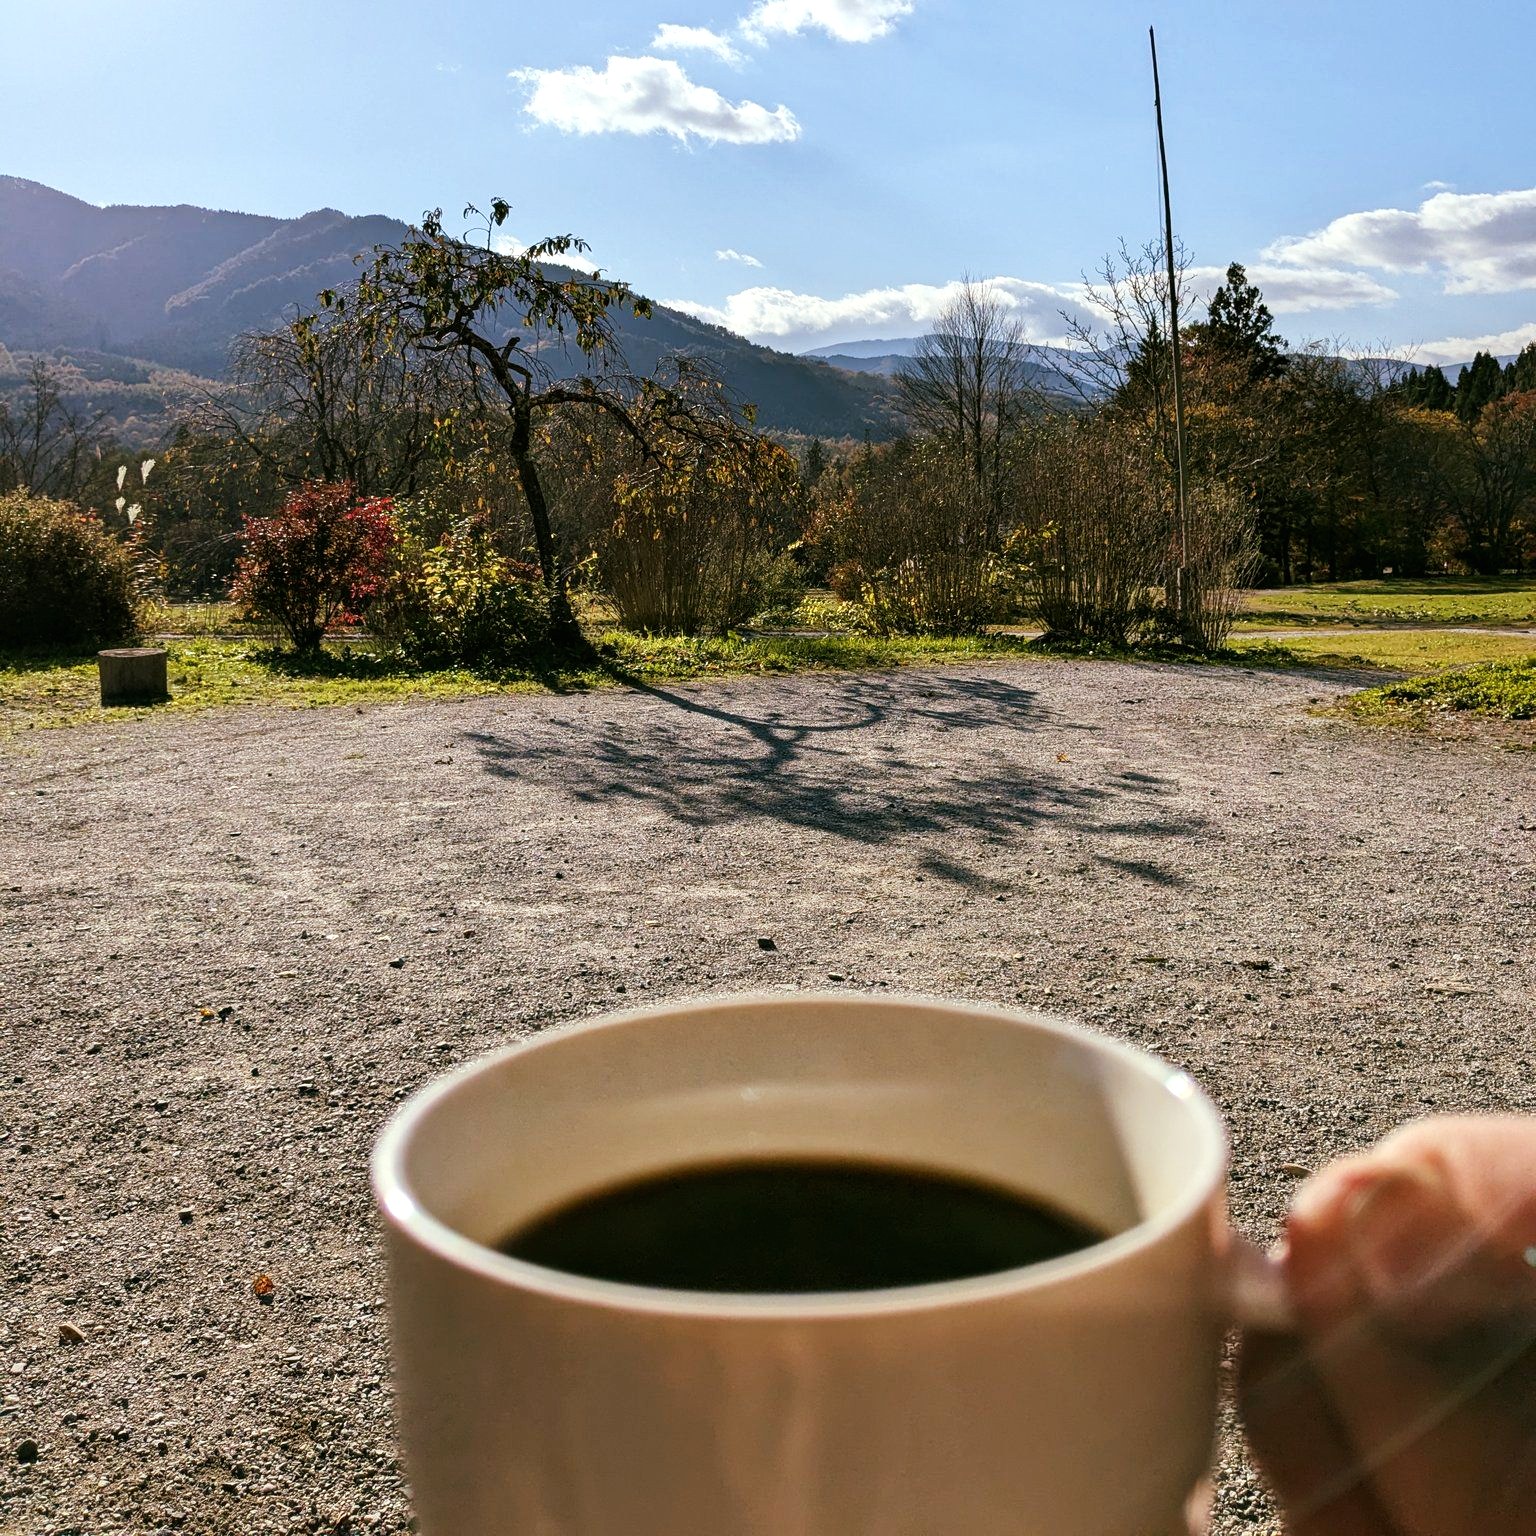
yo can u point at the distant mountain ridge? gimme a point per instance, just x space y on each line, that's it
1054 363
175 285
1048 369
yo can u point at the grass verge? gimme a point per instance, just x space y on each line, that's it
1407 650
41 691
1504 690
1432 600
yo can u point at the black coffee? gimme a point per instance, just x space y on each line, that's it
797 1225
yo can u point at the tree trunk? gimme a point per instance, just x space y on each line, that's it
564 630
134 675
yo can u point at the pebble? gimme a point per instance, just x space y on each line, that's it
185 1213
70 1334
26 1451
766 943
396 965
1296 1170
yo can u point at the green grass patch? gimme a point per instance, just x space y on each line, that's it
161 618
1408 650
39 691
50 690
44 691
670 657
1497 601
1505 690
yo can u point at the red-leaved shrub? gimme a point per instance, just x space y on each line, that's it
321 558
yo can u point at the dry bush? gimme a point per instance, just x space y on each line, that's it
1223 559
691 545
905 531
1099 534
1104 537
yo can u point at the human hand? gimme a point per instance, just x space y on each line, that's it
1406 1403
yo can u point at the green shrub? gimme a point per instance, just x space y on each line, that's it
1505 689
461 603
834 615
64 580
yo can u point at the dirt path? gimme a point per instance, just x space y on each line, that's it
231 943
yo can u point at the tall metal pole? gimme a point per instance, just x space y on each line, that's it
1173 336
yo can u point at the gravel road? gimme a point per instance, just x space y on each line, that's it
230 943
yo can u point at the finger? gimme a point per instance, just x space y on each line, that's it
1301 1446
1419 1421
1443 1228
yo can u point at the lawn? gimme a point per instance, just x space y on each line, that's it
1497 601
39 691
212 669
1395 650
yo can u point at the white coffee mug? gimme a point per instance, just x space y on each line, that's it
1074 1397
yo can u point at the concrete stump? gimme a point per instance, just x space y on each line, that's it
135 675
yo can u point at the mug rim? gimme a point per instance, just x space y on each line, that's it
401 1208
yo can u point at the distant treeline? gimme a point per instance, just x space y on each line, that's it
1481 383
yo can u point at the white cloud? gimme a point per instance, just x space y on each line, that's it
1481 242
1300 290
672 38
648 95
1462 349
741 256
1438 186
785 317
849 21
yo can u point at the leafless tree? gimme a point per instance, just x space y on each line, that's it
47 445
969 386
316 399
1123 356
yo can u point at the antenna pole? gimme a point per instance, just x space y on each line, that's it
1182 593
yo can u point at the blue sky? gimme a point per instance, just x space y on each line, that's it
1368 161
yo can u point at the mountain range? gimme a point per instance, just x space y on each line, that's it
131 300
1048 369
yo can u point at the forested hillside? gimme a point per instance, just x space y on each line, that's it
142 290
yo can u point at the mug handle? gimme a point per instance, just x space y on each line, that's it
1257 1297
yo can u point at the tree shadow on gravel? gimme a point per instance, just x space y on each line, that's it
931 774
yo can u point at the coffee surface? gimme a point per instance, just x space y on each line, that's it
797 1226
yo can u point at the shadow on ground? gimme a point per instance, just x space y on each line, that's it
706 764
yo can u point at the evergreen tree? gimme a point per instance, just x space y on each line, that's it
1426 387
1520 375
815 463
1239 324
1481 381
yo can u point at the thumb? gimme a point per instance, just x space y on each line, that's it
1388 1269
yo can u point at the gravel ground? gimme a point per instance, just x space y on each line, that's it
231 943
